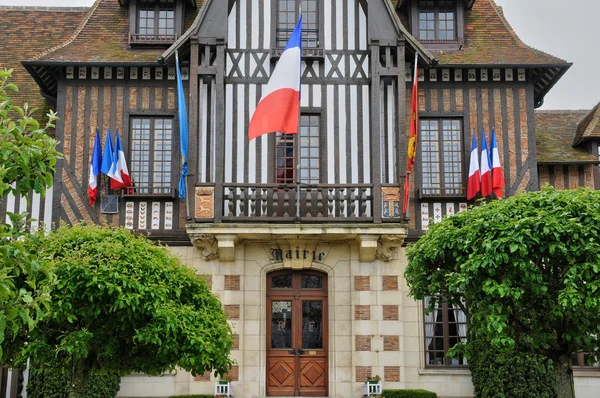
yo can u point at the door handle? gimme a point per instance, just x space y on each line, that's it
293 352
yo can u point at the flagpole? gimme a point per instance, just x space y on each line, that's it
409 173
298 131
185 179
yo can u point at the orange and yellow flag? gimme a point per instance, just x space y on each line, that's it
412 138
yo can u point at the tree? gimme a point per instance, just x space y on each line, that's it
27 160
528 270
123 304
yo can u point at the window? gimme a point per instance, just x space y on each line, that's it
287 156
437 20
155 22
151 155
445 327
441 153
287 17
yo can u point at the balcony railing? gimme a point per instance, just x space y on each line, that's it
278 203
439 192
144 38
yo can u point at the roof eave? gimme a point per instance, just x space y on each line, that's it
566 162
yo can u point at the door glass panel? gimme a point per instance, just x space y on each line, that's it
281 282
281 324
312 282
312 324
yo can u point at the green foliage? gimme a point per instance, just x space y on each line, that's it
47 384
527 268
408 394
27 160
123 304
507 374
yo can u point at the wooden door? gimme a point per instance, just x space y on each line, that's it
297 334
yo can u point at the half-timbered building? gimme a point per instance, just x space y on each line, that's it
309 273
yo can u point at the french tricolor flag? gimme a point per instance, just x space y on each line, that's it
119 172
486 171
474 181
497 174
278 109
92 191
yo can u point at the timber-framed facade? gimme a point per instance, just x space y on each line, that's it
315 294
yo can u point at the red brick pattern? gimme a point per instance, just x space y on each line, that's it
203 377
391 373
362 283
232 312
233 374
362 312
232 282
390 282
391 343
390 312
362 373
363 343
236 342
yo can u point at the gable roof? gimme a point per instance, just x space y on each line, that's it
491 41
554 131
589 126
45 27
103 37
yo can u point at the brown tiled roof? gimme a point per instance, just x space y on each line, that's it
27 31
589 126
104 37
554 132
490 40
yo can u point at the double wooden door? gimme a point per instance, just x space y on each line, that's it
297 334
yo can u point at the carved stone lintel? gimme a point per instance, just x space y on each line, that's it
387 245
207 244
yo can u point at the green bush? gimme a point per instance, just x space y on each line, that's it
508 374
46 384
408 394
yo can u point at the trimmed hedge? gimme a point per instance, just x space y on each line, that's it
408 394
508 374
46 384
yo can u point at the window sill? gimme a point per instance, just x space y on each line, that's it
446 371
307 52
442 45
171 193
441 193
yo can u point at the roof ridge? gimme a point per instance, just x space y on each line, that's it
512 32
43 8
75 34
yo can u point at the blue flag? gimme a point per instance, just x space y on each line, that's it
107 159
183 131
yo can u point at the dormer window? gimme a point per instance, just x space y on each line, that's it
286 13
437 20
438 24
155 22
287 17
